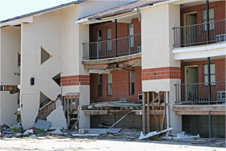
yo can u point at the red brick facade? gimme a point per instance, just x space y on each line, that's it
220 71
161 73
219 11
122 29
120 86
75 80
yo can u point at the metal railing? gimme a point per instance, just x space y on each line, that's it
112 48
198 93
196 34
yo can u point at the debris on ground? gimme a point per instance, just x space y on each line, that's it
42 125
154 133
181 135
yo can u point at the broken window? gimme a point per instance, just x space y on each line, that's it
131 82
44 55
100 85
110 84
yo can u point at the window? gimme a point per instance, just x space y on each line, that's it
212 73
109 41
131 36
99 40
211 19
131 82
110 84
100 85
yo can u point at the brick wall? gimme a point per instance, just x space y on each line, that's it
122 29
75 80
219 14
220 71
120 86
161 73
219 11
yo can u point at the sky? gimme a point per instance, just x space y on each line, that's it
12 8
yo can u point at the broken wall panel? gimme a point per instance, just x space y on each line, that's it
46 35
8 108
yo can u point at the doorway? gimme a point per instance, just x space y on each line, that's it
190 31
191 80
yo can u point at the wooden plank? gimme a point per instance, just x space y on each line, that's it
96 112
164 112
156 112
201 112
143 115
148 112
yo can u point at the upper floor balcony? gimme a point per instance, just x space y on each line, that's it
196 34
112 48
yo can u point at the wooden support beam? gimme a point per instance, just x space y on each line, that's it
143 115
96 112
148 112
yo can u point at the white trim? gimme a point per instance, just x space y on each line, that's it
17 21
195 52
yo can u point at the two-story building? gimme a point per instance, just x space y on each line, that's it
156 63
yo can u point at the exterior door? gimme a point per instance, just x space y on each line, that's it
190 31
191 80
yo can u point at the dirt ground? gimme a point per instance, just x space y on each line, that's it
102 144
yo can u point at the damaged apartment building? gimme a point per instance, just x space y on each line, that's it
154 64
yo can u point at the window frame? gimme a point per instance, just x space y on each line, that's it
131 83
205 74
109 40
99 85
109 84
211 20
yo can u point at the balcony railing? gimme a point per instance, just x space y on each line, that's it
193 35
112 48
198 93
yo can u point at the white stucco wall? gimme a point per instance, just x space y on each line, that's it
10 46
44 32
73 36
8 104
157 42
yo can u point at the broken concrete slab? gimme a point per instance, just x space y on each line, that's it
85 135
102 131
41 124
27 132
154 133
57 118
82 131
57 132
181 136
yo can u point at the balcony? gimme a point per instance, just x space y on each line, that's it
112 48
198 93
196 35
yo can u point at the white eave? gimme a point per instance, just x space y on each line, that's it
17 21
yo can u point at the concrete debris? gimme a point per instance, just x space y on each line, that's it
42 125
82 131
102 131
27 132
181 136
154 133
57 132
55 127
57 118
32 136
85 135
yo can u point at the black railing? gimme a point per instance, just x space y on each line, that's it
193 35
112 48
197 93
